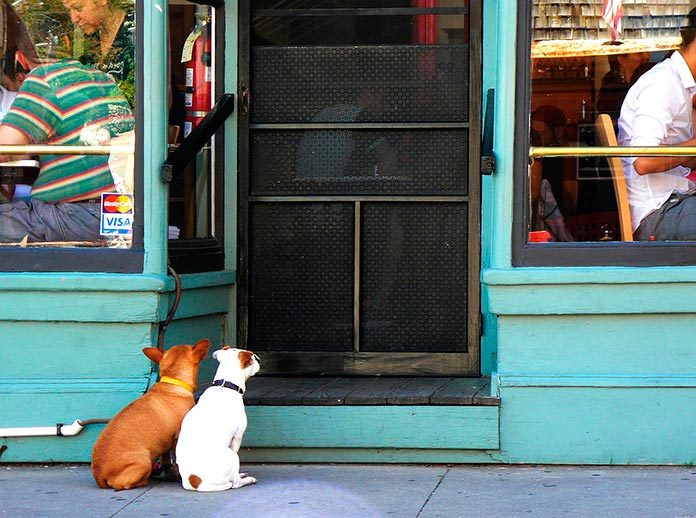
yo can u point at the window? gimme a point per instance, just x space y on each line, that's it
68 195
576 204
195 195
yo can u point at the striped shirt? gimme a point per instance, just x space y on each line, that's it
67 103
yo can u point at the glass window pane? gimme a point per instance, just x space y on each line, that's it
192 65
67 79
589 60
195 214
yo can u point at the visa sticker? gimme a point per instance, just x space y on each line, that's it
116 214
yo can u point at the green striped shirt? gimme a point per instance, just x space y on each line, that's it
67 103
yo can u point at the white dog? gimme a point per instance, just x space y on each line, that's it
212 431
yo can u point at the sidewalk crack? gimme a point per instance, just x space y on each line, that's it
420 511
150 486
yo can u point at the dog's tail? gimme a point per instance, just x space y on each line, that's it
195 481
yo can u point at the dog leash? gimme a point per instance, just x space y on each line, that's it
229 385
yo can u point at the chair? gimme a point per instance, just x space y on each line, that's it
607 137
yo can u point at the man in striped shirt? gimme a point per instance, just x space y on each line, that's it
62 103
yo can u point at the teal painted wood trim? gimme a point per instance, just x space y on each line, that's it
199 301
231 80
599 425
153 120
104 298
203 294
71 349
84 282
52 449
588 299
190 330
489 79
488 221
80 306
79 449
205 279
589 275
495 384
489 335
45 402
421 427
500 184
366 455
55 387
590 345
422 442
599 381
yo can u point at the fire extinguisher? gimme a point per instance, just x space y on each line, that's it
197 59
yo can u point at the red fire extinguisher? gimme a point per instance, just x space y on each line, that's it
197 60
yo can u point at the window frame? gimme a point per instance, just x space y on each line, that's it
96 260
614 253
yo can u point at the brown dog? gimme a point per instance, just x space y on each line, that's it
149 426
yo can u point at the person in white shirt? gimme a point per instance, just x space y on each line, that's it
657 111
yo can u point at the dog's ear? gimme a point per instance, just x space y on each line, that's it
223 348
200 348
246 358
153 353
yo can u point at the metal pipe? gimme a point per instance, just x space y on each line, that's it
59 429
539 151
43 149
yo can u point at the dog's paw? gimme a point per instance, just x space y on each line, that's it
242 481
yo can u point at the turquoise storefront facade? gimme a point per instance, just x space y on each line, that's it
592 365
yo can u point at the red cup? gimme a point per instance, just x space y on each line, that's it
539 236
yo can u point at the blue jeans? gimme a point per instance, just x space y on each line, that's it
675 220
45 221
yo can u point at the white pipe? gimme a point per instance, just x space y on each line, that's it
67 430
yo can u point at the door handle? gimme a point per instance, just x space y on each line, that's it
487 154
244 99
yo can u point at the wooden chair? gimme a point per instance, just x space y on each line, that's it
607 137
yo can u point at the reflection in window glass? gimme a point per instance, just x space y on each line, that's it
191 193
617 60
67 79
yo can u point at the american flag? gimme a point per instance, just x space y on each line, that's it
612 13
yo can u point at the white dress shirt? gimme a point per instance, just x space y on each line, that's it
657 111
6 99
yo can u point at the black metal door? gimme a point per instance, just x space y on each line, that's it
359 192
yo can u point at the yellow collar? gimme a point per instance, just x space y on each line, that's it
178 383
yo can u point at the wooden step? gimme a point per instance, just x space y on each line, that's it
323 391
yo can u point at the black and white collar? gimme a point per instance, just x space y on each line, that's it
229 385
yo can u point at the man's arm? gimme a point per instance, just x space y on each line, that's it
660 164
10 136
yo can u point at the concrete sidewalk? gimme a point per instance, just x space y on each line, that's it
366 491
